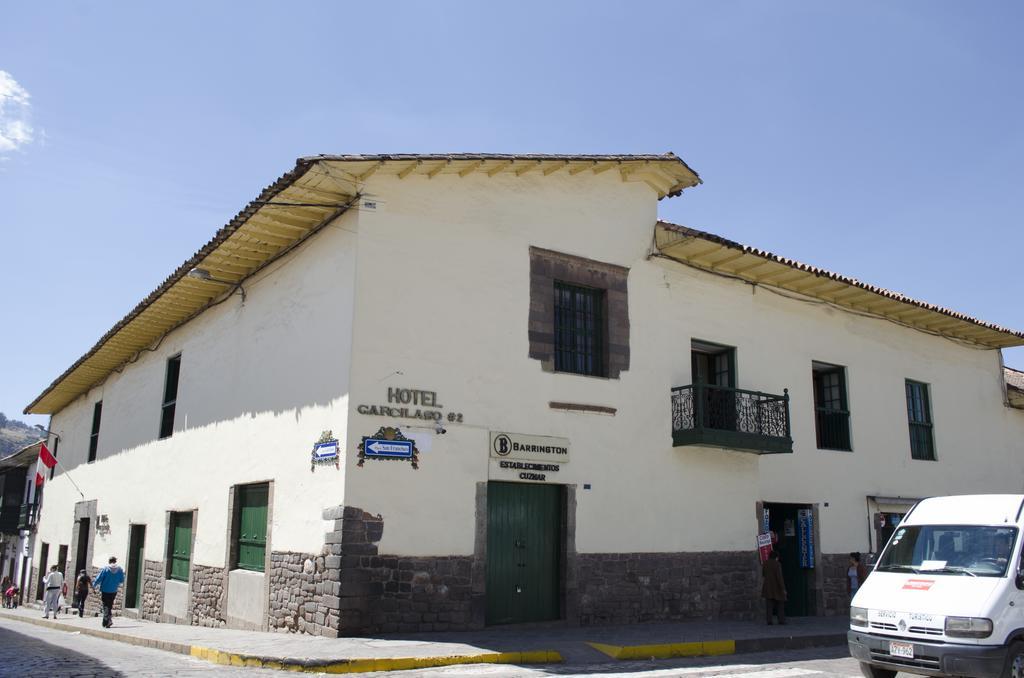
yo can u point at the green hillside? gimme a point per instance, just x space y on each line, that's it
15 435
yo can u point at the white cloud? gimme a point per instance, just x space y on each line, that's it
15 115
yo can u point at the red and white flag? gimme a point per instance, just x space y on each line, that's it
45 456
49 461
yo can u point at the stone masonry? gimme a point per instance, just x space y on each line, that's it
547 267
382 593
152 590
834 567
304 593
206 602
626 588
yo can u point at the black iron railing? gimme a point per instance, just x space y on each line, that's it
731 417
27 517
833 428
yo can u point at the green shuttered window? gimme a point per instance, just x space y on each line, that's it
251 528
919 417
180 546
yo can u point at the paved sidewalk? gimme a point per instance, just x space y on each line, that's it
513 645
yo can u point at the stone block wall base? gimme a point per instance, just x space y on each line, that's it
206 599
627 588
32 588
382 593
152 590
836 601
303 593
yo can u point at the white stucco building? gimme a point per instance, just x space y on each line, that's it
601 409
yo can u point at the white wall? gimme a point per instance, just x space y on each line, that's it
445 267
443 302
258 384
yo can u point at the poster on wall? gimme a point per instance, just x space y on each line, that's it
764 546
805 537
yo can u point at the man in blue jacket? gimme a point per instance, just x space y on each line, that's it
108 581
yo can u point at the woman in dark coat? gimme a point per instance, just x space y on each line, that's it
773 589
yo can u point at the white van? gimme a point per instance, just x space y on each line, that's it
946 597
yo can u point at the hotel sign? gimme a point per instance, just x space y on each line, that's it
529 448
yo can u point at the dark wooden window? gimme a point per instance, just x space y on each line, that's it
579 330
170 397
251 526
831 409
919 417
56 443
179 545
94 437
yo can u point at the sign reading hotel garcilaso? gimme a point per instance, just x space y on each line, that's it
411 403
530 448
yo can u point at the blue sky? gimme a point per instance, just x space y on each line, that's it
878 139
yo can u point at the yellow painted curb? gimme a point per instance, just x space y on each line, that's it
707 648
375 664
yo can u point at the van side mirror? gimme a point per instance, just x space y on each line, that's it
1019 580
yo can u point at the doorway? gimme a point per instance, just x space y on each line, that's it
713 371
62 560
133 583
82 546
785 521
524 552
44 556
885 527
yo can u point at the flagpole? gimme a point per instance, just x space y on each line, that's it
81 494
56 459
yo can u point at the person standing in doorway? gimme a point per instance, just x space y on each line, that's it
82 585
53 584
773 589
855 575
108 581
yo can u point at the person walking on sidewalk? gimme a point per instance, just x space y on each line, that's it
82 585
773 589
108 581
53 584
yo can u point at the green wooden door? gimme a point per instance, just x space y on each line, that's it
181 545
523 552
133 583
252 526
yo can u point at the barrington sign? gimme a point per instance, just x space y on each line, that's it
530 448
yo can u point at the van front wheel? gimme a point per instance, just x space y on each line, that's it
1015 661
870 671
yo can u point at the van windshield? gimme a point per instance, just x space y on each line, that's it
965 550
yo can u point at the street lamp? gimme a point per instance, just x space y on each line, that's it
205 276
47 431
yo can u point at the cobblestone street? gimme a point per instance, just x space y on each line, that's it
34 652
30 651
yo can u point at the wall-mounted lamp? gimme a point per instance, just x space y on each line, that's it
204 275
47 431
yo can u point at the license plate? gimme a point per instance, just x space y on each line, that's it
903 650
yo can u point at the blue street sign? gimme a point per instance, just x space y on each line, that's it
394 449
326 451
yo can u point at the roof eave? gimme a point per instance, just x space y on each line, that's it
739 265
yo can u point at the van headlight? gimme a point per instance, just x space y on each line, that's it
858 616
968 627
